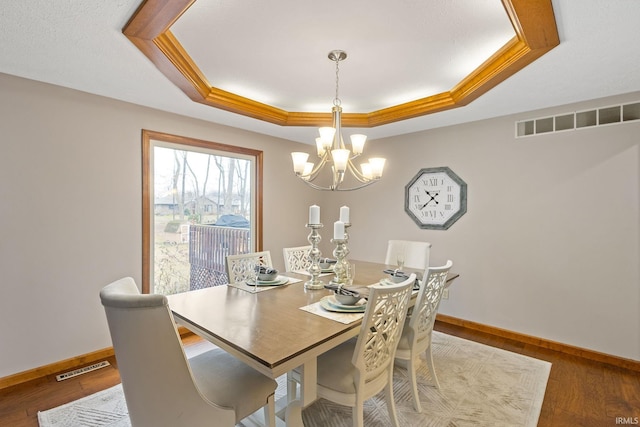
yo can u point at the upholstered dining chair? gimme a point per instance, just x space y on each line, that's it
297 258
416 334
361 367
163 388
238 266
416 254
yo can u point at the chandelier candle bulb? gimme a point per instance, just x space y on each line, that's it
340 159
366 170
377 166
326 136
320 146
357 143
344 214
299 162
314 214
338 230
308 168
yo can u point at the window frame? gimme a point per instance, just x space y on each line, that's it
148 136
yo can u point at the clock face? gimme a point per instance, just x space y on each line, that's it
435 198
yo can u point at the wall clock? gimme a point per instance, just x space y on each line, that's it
435 198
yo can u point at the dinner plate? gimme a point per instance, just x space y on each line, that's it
330 303
386 281
276 282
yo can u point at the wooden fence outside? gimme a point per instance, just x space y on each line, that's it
209 246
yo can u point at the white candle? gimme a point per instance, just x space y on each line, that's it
314 214
344 214
338 230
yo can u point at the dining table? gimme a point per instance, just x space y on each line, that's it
277 329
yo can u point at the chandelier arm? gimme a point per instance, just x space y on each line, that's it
338 177
314 172
336 182
314 186
335 188
357 174
357 187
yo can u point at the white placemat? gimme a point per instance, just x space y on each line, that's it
316 308
250 288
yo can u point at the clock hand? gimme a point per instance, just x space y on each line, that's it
433 197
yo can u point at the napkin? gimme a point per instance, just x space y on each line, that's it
261 269
340 289
396 273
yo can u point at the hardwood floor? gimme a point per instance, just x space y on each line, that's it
579 393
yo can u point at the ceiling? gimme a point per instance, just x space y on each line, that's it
275 54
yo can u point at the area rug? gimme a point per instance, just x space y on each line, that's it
479 386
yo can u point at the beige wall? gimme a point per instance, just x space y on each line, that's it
549 245
70 209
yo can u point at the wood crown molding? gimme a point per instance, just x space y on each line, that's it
148 29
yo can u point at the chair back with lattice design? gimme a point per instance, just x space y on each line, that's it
381 328
238 266
424 312
297 259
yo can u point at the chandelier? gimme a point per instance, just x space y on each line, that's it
333 152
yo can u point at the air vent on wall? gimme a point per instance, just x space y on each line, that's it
81 371
580 119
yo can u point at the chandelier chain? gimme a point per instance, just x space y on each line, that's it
336 100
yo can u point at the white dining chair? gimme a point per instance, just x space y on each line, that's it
297 258
416 334
416 254
238 266
361 367
162 388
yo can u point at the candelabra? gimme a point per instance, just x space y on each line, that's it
341 269
314 254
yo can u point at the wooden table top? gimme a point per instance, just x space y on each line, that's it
267 329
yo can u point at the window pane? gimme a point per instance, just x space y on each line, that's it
201 207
